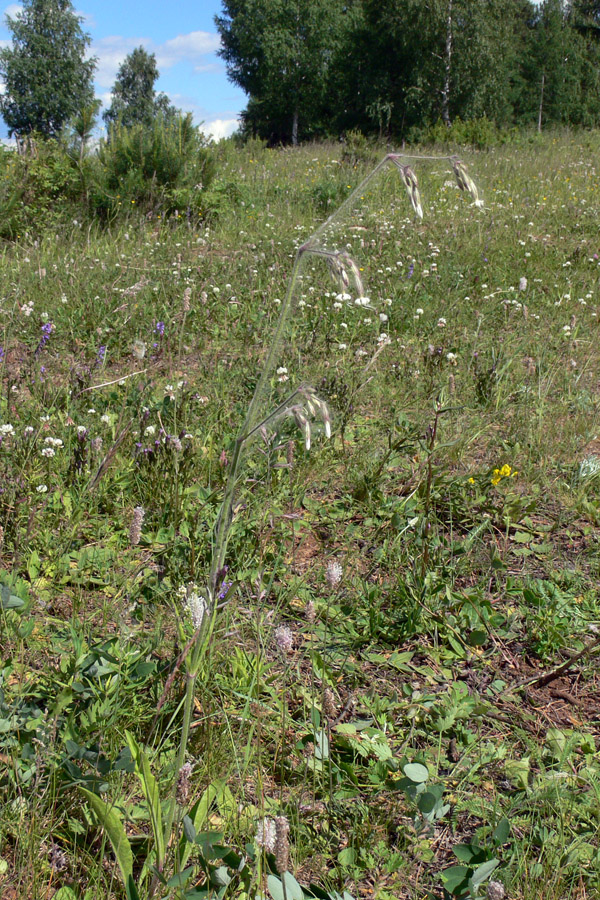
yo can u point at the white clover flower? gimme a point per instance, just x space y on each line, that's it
342 346
419 311
44 418
91 412
29 429
150 430
6 429
383 317
48 452
105 418
522 284
441 323
282 374
81 429
383 338
42 488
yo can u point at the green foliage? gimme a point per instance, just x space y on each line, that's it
134 100
395 68
47 79
161 168
280 54
459 491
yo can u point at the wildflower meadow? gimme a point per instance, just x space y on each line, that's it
299 554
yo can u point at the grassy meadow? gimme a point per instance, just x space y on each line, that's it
401 658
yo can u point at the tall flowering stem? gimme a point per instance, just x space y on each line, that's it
302 404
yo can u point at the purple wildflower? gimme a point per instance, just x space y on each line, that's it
1 354
100 354
160 328
411 269
46 332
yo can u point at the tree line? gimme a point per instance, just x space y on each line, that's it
48 80
314 68
319 68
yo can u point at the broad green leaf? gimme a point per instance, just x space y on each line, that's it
501 831
455 878
347 856
481 873
8 600
115 830
150 789
417 773
65 893
556 741
293 891
517 772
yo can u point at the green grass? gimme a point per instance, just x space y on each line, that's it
404 732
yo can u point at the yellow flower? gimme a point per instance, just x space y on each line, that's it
505 471
471 481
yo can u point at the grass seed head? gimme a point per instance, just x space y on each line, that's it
465 182
412 187
135 529
282 844
183 784
329 704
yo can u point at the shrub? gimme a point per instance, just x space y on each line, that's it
161 168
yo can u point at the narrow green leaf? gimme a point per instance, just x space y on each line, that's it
115 830
131 889
198 816
151 793
188 829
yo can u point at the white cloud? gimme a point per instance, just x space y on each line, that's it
220 128
111 51
11 10
186 46
209 67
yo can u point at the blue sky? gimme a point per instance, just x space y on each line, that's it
183 37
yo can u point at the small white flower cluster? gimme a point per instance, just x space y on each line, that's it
282 374
266 835
194 603
27 308
6 430
52 445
